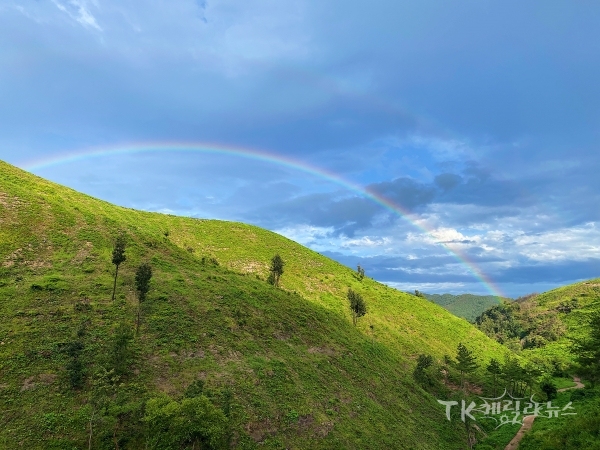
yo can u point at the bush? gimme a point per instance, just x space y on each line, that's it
193 421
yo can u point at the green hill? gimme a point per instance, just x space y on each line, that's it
467 306
281 367
544 325
543 328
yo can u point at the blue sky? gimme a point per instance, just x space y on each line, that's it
479 118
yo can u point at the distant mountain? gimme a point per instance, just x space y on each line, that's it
467 306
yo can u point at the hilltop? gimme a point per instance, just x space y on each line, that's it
283 366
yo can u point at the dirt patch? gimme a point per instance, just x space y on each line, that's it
305 422
191 354
249 266
42 379
322 351
13 258
281 336
83 253
258 431
164 385
323 429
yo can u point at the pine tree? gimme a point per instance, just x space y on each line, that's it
466 361
495 369
511 372
118 257
142 286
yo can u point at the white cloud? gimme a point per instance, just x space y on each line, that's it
367 241
78 10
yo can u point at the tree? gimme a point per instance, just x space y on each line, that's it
360 272
276 270
423 362
121 354
511 372
587 350
548 387
142 286
357 305
419 294
466 361
75 370
118 257
495 369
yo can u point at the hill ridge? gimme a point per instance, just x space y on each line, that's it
301 375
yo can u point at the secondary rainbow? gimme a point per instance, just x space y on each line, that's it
259 155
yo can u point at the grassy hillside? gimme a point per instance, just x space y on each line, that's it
544 325
285 365
467 306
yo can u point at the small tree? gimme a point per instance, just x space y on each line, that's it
419 294
357 305
276 270
466 362
360 272
121 354
142 286
495 369
75 369
423 362
118 257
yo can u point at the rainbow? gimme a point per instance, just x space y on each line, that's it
260 155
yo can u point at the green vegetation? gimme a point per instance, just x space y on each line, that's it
357 305
587 350
466 362
360 272
494 369
568 432
118 257
284 367
545 327
276 270
467 306
574 310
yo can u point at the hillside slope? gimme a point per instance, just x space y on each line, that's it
544 325
569 305
467 306
290 367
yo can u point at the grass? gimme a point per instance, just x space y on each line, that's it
301 375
